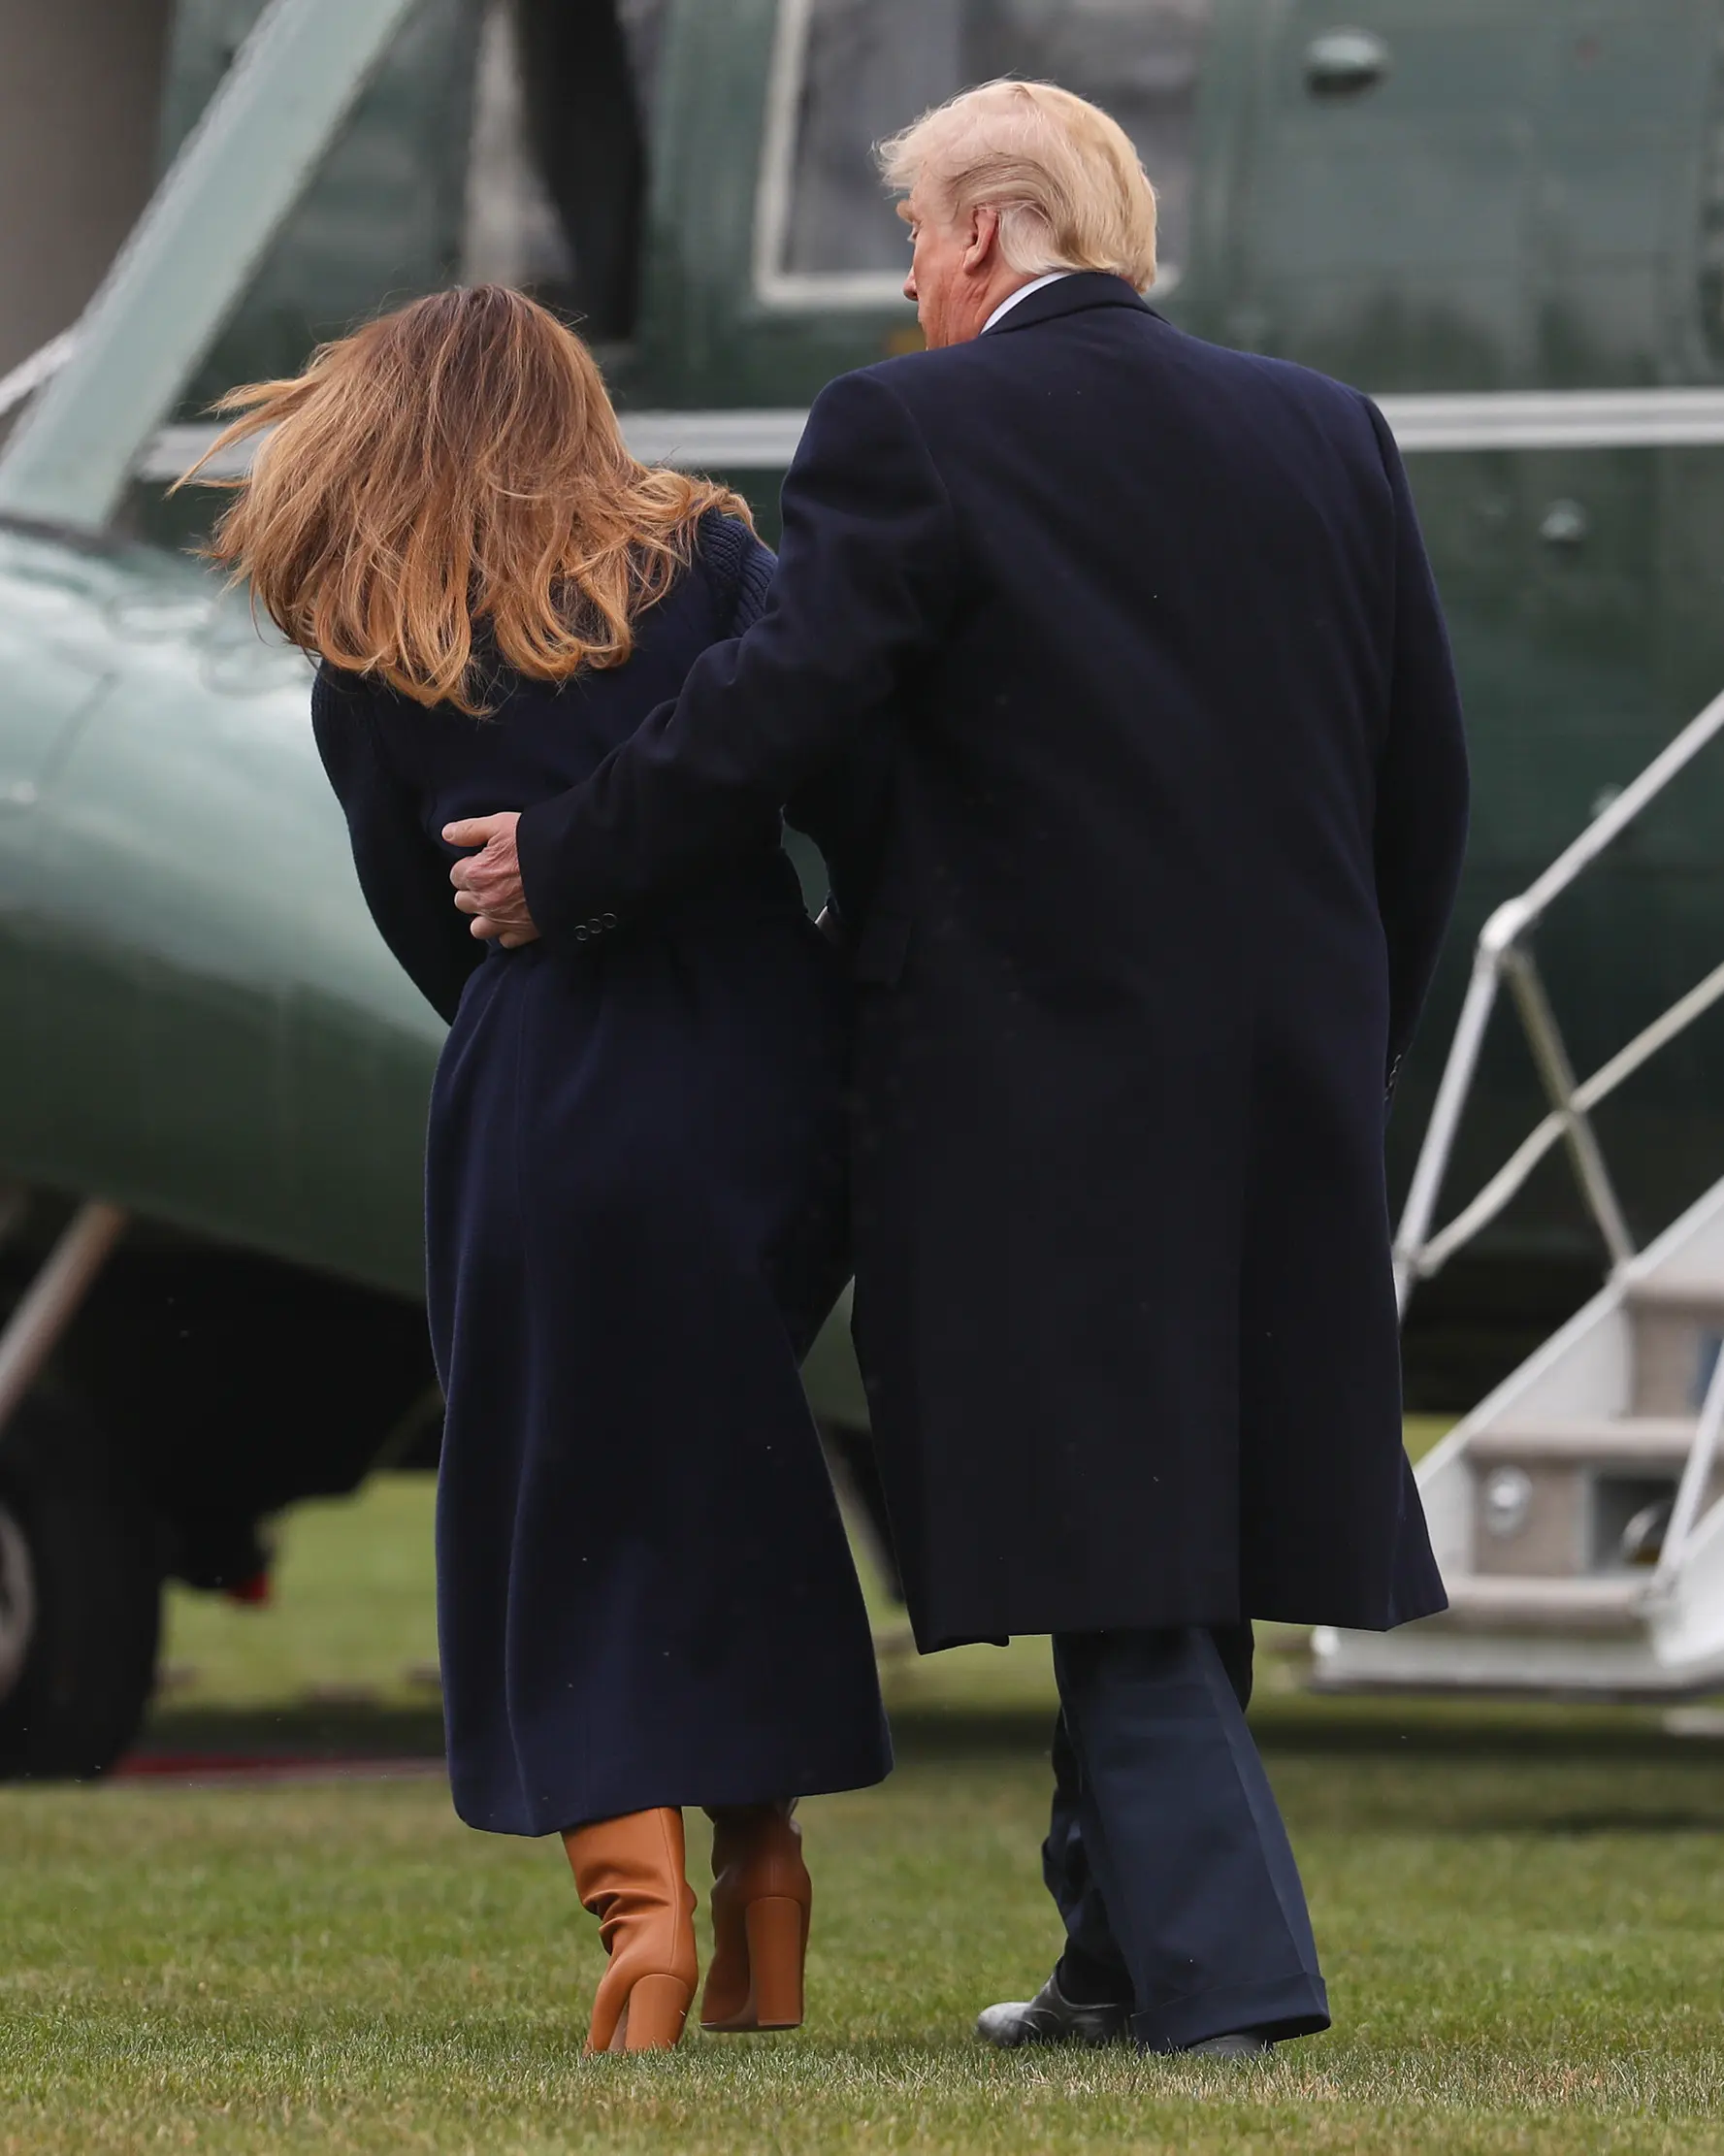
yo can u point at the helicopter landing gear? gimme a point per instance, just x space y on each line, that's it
80 1565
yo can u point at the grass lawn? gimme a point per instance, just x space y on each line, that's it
1522 1913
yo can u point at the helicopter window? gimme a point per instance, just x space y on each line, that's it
850 71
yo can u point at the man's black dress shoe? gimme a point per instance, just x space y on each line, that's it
1051 2017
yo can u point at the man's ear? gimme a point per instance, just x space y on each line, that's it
983 242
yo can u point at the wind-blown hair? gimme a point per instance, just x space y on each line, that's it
447 488
1065 178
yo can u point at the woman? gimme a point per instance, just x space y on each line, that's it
634 1194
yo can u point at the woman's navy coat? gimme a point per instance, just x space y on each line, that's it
634 1224
1178 799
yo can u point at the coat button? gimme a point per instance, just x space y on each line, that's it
610 920
580 934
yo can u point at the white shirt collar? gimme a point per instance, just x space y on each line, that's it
1022 292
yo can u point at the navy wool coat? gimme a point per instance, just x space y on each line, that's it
1178 802
635 1225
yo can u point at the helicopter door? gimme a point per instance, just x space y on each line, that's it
557 177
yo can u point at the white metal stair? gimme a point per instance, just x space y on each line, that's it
1577 1513
1551 1504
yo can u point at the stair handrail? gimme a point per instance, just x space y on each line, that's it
1503 953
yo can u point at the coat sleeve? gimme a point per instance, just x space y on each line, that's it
405 878
1421 774
842 805
864 591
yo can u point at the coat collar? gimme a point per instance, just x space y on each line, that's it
1069 295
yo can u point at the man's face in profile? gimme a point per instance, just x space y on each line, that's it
940 272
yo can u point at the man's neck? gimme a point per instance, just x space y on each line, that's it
1001 292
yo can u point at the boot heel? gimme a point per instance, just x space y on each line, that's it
653 2018
776 1943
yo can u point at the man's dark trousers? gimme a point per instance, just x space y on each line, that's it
1166 1855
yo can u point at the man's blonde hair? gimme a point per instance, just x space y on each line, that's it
1064 177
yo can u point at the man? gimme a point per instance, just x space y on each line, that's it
1178 805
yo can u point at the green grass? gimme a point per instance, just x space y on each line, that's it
1423 1431
350 1608
1521 1913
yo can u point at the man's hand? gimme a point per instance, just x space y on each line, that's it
488 883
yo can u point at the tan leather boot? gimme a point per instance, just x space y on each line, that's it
762 1896
630 1872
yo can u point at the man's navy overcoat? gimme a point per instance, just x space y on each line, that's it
1178 801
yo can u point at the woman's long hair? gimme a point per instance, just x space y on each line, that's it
453 473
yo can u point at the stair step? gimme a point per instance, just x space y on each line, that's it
1612 1603
1703 1297
1638 1441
